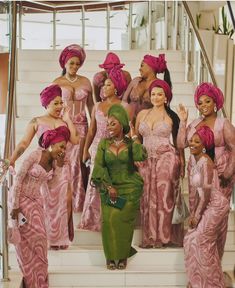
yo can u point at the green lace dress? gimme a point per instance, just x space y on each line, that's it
120 172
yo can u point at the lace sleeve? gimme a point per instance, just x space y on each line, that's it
20 176
100 174
204 191
229 137
181 140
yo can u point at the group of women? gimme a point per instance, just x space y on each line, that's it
135 145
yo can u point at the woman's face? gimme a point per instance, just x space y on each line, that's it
158 97
72 65
206 105
195 145
58 150
145 70
108 88
55 107
114 127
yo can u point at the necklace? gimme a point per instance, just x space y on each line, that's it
71 80
117 142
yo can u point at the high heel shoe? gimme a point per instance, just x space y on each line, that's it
110 264
122 264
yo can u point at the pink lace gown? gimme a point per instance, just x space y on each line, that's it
202 259
91 215
73 151
55 193
224 134
32 250
161 172
138 100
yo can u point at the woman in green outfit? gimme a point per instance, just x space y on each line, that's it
120 186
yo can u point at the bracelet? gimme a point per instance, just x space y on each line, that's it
109 187
134 137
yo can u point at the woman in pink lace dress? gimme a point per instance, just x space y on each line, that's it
111 60
161 171
209 99
76 94
59 234
26 198
137 93
210 206
112 89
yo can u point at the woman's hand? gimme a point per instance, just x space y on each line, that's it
112 193
139 164
182 113
66 115
14 213
60 159
193 222
132 129
86 156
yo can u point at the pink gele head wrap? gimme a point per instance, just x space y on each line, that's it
117 76
207 137
158 64
70 51
111 61
53 136
211 91
164 85
49 93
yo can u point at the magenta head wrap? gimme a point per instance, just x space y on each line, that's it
70 51
49 93
164 85
211 91
117 76
111 61
158 64
56 135
207 137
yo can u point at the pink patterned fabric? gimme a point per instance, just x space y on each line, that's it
211 91
137 97
164 85
31 251
73 151
53 136
55 194
91 215
207 137
161 181
70 51
50 93
111 60
224 133
202 259
158 64
117 76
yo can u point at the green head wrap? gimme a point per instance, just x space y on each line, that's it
119 113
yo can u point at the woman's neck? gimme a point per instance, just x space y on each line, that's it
199 156
112 99
150 78
52 116
119 137
159 109
211 117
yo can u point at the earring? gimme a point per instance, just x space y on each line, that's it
165 101
204 150
115 92
49 149
215 108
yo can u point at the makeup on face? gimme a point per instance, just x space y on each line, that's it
158 97
114 127
206 105
72 65
195 145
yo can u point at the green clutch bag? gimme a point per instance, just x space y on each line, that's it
119 204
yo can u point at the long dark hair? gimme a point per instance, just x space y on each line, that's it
63 72
211 153
175 120
167 77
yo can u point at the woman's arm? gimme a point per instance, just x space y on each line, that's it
90 100
25 141
90 135
20 176
229 137
181 141
205 190
74 136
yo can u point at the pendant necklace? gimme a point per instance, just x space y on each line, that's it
117 142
